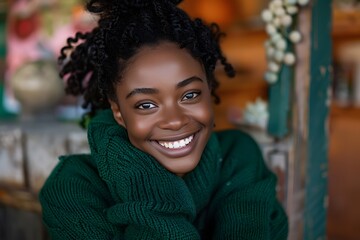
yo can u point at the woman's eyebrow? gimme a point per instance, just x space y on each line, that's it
188 81
142 91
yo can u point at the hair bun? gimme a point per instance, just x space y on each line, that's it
145 3
137 3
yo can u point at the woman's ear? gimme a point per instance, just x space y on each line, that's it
117 113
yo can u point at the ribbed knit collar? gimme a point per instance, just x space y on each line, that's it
201 181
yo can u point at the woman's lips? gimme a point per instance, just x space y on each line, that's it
178 148
177 144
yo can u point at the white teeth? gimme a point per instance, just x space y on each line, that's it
177 144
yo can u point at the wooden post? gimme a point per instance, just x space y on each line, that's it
310 108
316 199
300 108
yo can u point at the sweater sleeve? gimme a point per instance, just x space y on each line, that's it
246 207
150 202
160 215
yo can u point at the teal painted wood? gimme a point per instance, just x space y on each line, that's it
2 34
4 114
317 164
279 103
280 95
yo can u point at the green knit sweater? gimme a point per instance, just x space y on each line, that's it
120 192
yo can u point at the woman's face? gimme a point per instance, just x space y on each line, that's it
164 102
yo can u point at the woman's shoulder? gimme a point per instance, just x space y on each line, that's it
241 155
73 175
73 166
74 198
234 140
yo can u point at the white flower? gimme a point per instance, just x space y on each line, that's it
270 29
279 55
266 15
295 36
289 59
303 2
277 3
279 11
256 113
275 37
270 51
276 21
281 44
292 9
286 20
271 77
274 67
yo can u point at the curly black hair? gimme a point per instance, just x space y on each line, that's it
99 57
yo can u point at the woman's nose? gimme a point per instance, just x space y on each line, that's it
173 118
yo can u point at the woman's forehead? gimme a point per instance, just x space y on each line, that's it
163 59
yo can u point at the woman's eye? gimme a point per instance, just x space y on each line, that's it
145 106
191 95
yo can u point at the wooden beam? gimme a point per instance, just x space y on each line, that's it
299 120
316 200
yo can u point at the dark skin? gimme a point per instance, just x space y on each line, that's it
164 102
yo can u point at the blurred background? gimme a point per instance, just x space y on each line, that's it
38 122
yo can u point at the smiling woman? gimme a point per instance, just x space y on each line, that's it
163 101
156 170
